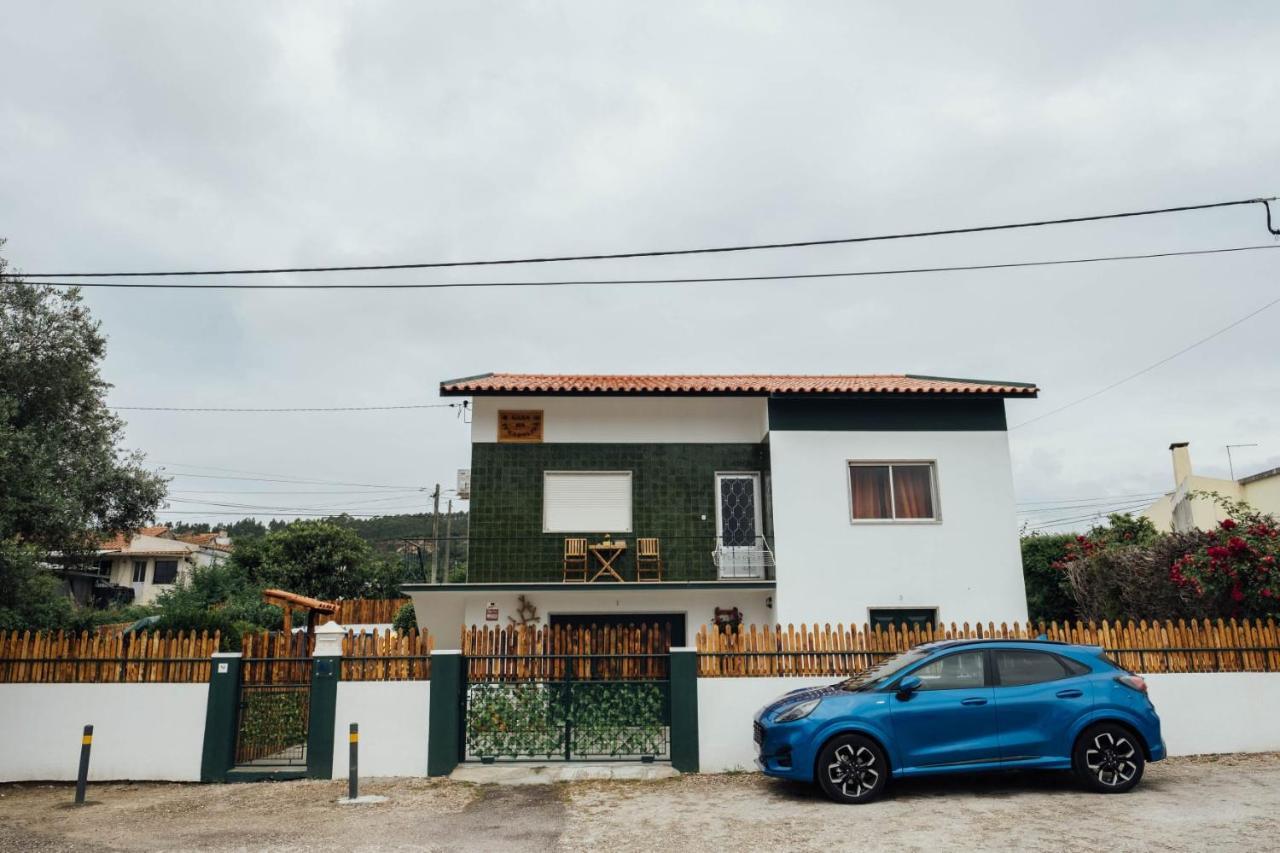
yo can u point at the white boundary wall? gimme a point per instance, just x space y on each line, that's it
141 731
1217 711
726 707
1200 713
393 727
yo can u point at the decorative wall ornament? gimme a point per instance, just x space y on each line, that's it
526 613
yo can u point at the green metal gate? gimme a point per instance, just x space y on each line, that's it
567 707
274 713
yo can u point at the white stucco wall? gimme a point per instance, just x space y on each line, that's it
968 565
628 420
393 727
1217 711
141 731
1200 713
726 707
444 612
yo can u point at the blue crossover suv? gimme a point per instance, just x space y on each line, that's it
964 705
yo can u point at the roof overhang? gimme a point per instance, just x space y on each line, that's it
725 385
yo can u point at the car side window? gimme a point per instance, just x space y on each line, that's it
961 671
1016 667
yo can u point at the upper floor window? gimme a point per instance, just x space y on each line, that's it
586 502
893 491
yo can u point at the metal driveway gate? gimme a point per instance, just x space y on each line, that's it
275 708
613 707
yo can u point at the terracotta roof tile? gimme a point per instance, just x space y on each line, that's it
757 384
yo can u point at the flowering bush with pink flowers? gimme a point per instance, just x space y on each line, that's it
1235 563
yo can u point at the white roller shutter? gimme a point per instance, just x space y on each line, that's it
586 502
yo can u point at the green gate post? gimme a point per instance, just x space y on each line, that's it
326 670
220 718
444 725
684 709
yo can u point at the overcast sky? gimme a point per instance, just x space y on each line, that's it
166 135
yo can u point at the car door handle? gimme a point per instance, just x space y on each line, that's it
973 700
1070 694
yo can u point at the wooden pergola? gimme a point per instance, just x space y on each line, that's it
287 601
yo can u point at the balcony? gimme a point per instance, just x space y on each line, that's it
541 559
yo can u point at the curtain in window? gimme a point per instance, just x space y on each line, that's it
912 491
870 491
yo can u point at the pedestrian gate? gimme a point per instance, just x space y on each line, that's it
567 707
275 706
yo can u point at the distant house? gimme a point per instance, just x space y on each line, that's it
154 559
1180 512
693 499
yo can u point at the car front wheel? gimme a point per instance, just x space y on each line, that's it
1108 758
852 769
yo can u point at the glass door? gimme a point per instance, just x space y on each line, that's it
739 544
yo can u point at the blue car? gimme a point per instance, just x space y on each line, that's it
965 705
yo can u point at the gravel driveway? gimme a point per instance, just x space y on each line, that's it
1183 804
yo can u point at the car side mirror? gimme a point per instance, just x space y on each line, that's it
909 685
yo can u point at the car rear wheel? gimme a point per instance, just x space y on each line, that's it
852 769
1108 758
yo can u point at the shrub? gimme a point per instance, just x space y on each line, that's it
1236 565
405 618
1048 594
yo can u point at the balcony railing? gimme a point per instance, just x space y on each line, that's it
541 559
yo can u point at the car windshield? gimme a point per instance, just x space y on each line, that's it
871 678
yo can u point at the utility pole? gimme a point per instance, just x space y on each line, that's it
448 538
435 534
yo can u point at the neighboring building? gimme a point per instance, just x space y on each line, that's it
154 559
1179 512
773 499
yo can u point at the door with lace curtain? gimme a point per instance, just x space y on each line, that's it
738 525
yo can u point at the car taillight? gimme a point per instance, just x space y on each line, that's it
1133 682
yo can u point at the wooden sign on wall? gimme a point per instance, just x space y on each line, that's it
520 426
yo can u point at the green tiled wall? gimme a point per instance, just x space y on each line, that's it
673 485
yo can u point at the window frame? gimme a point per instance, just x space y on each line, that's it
935 490
937 612
134 566
155 569
631 480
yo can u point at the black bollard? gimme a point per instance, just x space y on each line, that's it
82 778
353 775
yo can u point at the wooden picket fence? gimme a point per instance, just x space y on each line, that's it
39 657
365 611
554 653
274 657
1230 646
386 656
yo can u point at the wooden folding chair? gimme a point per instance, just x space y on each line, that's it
648 559
575 560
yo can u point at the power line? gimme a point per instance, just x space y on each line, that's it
798 244
1048 510
1091 498
1149 367
682 280
297 482
295 409
1125 509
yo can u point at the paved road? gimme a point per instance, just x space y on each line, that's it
1184 804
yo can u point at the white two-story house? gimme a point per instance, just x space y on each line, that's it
771 499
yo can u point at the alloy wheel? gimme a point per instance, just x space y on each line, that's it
853 771
1111 759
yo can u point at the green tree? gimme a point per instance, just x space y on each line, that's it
1048 596
64 475
319 559
65 478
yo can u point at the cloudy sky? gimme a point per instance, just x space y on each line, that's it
206 135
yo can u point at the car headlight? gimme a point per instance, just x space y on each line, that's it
797 712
